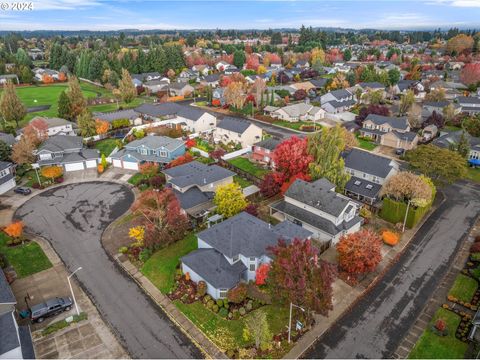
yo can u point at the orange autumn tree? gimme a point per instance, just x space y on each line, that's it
359 252
52 172
14 230
101 127
180 160
390 237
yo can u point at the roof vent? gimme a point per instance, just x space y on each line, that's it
204 180
369 187
357 182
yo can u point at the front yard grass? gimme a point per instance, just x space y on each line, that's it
248 166
296 125
160 268
474 174
241 181
26 259
366 144
135 179
106 146
433 346
464 288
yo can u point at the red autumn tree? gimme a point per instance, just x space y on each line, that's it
291 157
225 81
149 169
470 74
262 274
300 94
161 215
297 275
190 143
15 229
217 153
286 184
180 160
252 62
271 183
40 126
360 252
252 209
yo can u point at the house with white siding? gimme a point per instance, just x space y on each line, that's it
7 176
238 131
230 252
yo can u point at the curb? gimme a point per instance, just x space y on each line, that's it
372 284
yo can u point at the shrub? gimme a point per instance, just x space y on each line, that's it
390 238
242 311
123 250
207 298
475 256
237 294
100 168
59 180
254 293
14 230
230 315
215 308
475 248
220 302
225 304
210 304
145 254
223 312
157 182
249 306
201 288
440 324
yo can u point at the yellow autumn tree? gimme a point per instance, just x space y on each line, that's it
52 172
230 200
138 234
318 56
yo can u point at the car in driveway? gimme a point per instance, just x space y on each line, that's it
22 190
49 308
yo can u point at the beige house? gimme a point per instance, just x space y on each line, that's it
389 131
299 112
238 131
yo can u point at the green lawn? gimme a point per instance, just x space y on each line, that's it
463 288
249 167
207 321
366 144
451 128
26 259
241 181
113 106
160 268
432 346
106 146
295 125
474 174
135 179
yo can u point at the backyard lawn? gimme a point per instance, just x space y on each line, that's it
295 125
106 146
249 167
26 259
366 144
432 346
160 268
113 106
464 288
474 174
241 181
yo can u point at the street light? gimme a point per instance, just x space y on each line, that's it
406 214
71 289
290 319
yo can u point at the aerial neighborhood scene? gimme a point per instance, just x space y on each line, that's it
240 180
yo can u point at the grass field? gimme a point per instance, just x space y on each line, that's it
249 167
433 346
106 146
113 106
26 259
160 268
241 181
295 125
366 144
463 288
474 174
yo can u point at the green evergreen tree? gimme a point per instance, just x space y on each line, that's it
11 107
64 106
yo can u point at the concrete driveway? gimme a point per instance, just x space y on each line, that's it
73 218
377 323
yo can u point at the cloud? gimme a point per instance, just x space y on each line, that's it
64 4
456 3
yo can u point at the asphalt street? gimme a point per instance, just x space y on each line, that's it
73 218
376 324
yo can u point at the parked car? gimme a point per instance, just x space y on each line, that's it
49 308
23 190
400 152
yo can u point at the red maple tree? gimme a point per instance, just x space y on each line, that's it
291 157
180 160
470 74
262 274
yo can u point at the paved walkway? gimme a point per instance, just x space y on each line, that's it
90 338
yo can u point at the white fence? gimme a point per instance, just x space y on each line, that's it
201 152
237 153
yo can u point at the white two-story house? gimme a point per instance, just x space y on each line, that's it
318 208
57 126
7 176
230 252
238 131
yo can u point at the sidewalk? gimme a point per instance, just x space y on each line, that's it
345 296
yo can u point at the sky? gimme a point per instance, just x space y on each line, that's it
229 14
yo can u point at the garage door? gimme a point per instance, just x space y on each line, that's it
7 186
130 165
117 163
91 164
74 166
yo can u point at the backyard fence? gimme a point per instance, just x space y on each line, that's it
201 152
255 180
237 153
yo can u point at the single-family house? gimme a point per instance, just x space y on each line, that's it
336 107
318 208
210 80
180 89
155 86
404 85
156 149
319 83
66 151
8 139
389 131
7 176
187 75
202 69
238 131
9 77
299 112
15 341
191 118
44 75
469 104
302 64
194 185
57 126
371 86
139 79
222 65
262 151
451 139
368 172
133 116
304 85
429 107
231 251
336 101
429 132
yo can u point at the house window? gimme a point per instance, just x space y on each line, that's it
375 179
162 153
222 293
143 151
3 173
253 267
364 175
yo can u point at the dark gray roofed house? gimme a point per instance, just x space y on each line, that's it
395 122
129 114
8 139
453 138
236 125
231 251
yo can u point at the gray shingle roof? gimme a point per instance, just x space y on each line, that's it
446 140
409 135
8 139
395 122
468 100
155 142
367 162
372 85
359 186
133 154
290 230
116 115
243 234
319 83
340 93
28 352
5 165
53 121
270 143
84 154
192 197
236 125
318 194
214 268
338 104
8 333
6 294
61 143
170 109
196 173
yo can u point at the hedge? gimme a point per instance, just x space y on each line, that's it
394 212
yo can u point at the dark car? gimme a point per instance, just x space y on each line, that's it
400 152
51 307
23 190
